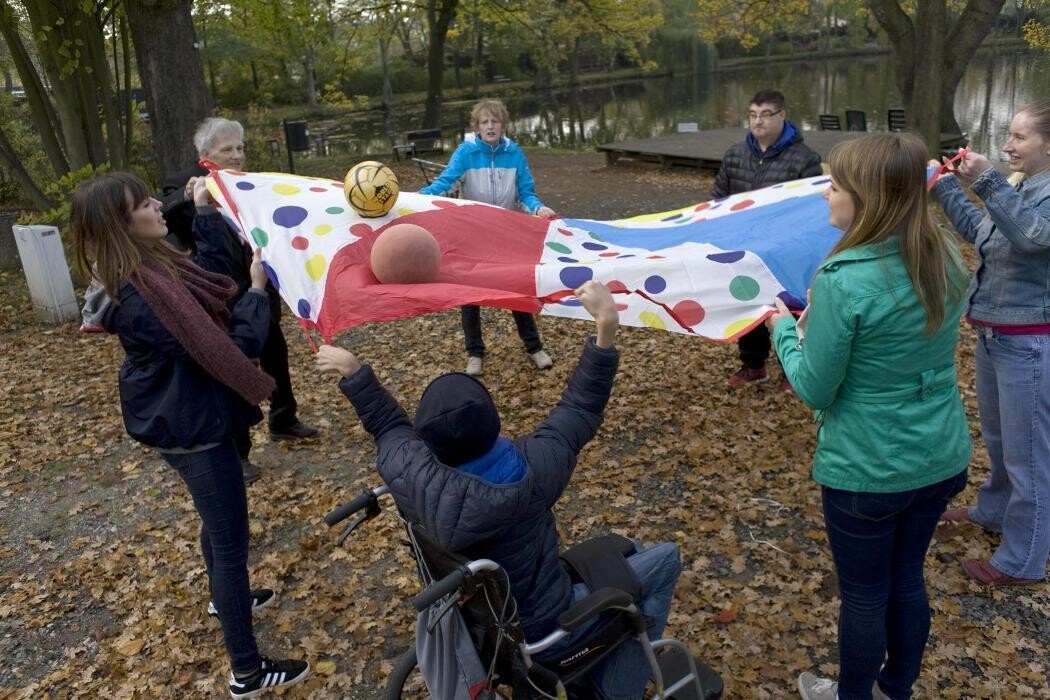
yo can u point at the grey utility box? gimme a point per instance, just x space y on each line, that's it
47 273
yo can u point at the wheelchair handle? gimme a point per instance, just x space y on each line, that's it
368 497
439 589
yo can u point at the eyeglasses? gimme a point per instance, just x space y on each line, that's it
755 116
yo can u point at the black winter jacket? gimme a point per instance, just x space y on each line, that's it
744 168
512 523
167 399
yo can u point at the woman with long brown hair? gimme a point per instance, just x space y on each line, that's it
188 385
877 362
1009 306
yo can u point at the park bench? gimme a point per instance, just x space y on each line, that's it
431 169
420 141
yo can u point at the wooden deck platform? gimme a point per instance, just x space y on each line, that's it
704 149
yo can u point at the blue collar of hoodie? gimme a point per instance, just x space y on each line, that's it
787 137
502 464
505 144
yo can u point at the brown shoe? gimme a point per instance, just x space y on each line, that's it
984 572
957 515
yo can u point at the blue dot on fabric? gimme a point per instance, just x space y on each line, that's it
629 255
655 284
289 216
573 277
303 308
821 182
672 217
730 257
595 246
777 187
567 259
791 301
570 302
242 185
272 274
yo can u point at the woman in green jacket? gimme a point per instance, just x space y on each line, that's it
877 361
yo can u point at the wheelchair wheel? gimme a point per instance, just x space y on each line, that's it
405 680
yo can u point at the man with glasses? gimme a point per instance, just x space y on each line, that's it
772 153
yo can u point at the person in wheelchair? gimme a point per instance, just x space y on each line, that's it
485 496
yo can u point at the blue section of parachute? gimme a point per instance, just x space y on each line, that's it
792 237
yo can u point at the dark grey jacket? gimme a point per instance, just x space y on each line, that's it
511 523
745 167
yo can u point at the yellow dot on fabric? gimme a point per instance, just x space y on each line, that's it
316 266
652 320
405 212
737 326
286 189
322 229
795 185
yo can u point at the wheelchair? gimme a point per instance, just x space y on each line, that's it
481 590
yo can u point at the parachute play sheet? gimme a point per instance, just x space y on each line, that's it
710 269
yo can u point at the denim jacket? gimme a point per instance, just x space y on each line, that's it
1012 236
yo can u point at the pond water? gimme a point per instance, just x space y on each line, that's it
996 83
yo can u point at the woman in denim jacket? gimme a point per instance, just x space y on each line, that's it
1009 304
877 361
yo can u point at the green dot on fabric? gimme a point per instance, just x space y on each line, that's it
333 210
260 237
594 236
559 248
743 288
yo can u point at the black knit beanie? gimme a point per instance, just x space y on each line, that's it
457 418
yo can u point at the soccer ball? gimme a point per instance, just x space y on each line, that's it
371 188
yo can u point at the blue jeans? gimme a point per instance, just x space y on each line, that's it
215 481
624 673
879 543
470 315
1013 397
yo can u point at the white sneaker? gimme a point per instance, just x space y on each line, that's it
541 359
813 687
475 366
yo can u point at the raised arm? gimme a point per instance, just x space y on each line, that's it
443 183
965 217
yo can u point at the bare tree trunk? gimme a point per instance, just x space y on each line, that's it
129 116
931 16
384 66
311 76
439 16
172 76
11 160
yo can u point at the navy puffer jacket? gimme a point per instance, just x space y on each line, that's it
746 167
510 523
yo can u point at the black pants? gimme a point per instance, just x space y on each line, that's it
754 347
274 361
527 331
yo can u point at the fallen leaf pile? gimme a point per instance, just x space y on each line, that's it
102 585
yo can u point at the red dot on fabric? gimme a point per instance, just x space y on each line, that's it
621 307
742 205
336 184
689 312
616 286
236 172
300 243
565 233
361 230
442 204
656 257
607 255
318 189
701 207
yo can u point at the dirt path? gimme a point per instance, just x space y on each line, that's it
102 589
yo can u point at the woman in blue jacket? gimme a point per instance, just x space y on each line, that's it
1009 305
488 167
189 383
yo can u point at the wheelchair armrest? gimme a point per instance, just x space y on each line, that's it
596 603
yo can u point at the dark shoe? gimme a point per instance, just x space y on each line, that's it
957 515
746 375
272 674
261 597
250 471
984 572
296 431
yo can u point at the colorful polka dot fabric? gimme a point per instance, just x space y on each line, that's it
711 269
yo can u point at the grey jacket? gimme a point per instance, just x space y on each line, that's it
1012 236
511 523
